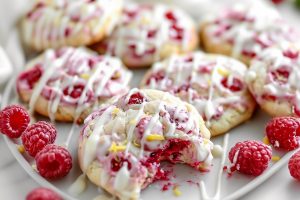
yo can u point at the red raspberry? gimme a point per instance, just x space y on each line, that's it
294 165
14 120
284 132
136 98
43 194
235 86
53 162
37 136
250 157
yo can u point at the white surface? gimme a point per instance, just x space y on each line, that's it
15 183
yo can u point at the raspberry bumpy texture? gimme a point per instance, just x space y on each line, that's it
294 165
250 157
43 194
123 143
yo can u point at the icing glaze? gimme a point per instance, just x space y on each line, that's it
145 29
212 84
72 77
131 136
58 23
250 29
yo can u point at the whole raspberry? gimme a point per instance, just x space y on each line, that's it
284 132
14 120
53 162
37 136
250 157
43 194
294 165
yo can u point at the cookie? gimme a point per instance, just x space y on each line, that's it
55 24
214 84
150 32
65 84
122 144
244 31
273 79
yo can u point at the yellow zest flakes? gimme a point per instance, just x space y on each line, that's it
275 158
21 149
155 137
136 144
116 75
208 82
132 122
116 148
115 111
205 141
223 72
85 76
176 191
266 140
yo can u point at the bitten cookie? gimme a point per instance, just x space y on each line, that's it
54 24
274 80
244 31
65 84
122 144
150 32
214 84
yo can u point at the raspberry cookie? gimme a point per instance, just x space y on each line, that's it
122 144
65 84
54 24
213 84
273 79
147 33
244 31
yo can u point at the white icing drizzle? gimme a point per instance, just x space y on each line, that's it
250 27
135 30
57 23
217 195
207 85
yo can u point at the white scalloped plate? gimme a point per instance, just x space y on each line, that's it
230 188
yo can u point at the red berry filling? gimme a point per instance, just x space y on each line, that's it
281 75
157 76
117 163
136 98
249 53
76 91
31 77
235 85
291 54
170 16
14 120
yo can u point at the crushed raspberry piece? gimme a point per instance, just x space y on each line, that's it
291 54
277 1
173 149
117 163
157 76
250 54
14 120
284 132
68 32
294 165
136 98
76 91
151 33
250 157
37 136
281 75
53 162
43 194
31 76
170 16
178 32
236 85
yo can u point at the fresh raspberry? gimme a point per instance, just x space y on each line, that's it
37 136
284 132
14 120
250 157
43 194
294 165
53 162
136 98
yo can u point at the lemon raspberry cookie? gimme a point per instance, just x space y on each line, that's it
54 24
148 32
65 84
214 84
122 144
